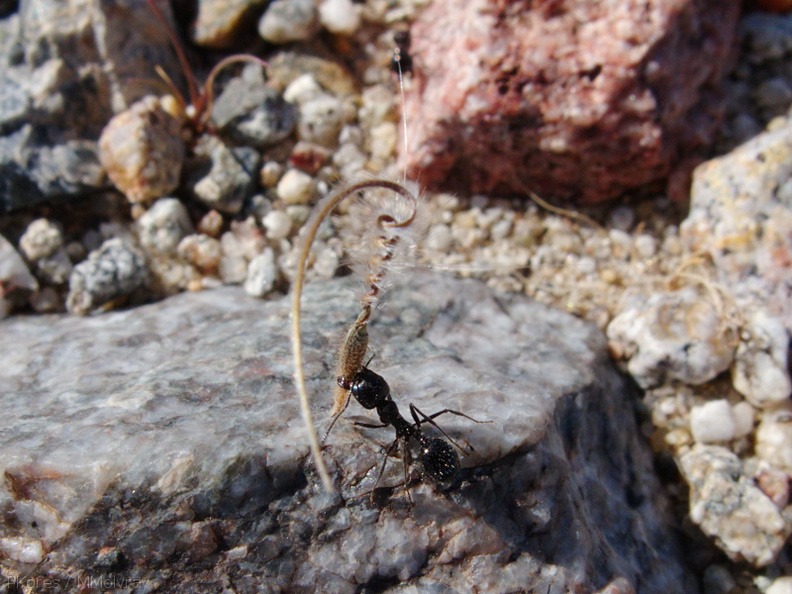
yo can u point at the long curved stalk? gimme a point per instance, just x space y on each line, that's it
323 209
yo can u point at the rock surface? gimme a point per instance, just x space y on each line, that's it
163 448
575 98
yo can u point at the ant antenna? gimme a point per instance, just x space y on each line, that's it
355 345
401 63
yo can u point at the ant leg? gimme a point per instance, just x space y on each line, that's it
406 461
335 418
430 419
388 452
369 425
454 412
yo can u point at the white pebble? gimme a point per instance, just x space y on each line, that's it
288 20
782 585
760 371
671 336
201 251
163 226
586 265
645 245
22 549
321 120
744 417
620 240
40 239
712 422
261 274
302 89
774 438
500 229
339 16
383 140
296 187
439 239
278 224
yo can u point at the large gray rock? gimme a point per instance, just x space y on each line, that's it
162 447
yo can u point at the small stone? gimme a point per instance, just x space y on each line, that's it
296 187
439 239
270 173
349 160
211 223
41 239
321 120
621 218
645 245
302 89
55 268
203 541
261 274
288 20
308 157
229 178
114 270
671 336
774 438
163 226
22 549
718 580
730 508
46 300
219 23
760 372
278 224
712 422
251 113
339 16
383 141
744 417
782 585
775 484
142 151
774 93
201 251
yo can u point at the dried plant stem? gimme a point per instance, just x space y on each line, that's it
356 342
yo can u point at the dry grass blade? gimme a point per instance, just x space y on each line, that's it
321 212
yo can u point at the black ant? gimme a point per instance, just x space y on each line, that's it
438 459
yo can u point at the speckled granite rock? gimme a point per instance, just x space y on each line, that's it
162 447
729 506
741 216
575 98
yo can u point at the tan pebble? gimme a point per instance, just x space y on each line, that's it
142 151
609 276
775 484
211 223
270 174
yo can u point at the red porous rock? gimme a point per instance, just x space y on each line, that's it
571 98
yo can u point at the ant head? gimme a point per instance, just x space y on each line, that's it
440 461
370 389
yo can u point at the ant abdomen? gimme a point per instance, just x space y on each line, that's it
439 460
